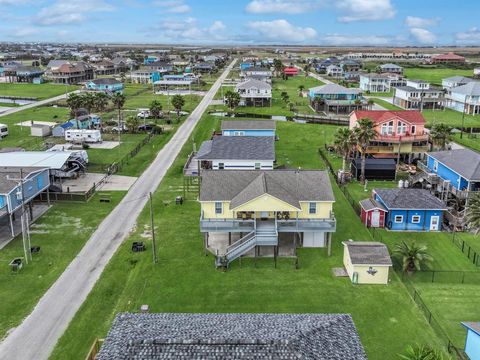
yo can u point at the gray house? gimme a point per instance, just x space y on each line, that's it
232 336
255 93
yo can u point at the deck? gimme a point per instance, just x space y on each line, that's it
191 166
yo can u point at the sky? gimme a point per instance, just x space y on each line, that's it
238 22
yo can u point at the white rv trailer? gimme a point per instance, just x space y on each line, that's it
83 135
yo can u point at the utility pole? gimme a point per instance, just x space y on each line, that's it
463 117
154 245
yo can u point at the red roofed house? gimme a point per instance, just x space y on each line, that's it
449 58
290 71
401 134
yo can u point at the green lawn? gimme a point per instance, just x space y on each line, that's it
185 280
450 117
467 140
60 233
386 104
40 92
434 75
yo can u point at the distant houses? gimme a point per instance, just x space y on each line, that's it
465 98
72 73
106 85
390 68
448 58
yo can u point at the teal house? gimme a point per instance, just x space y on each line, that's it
336 98
472 342
106 85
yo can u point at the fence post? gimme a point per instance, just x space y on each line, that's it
433 276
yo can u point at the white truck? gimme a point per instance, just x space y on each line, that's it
83 136
3 130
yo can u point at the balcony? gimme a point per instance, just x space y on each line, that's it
300 225
401 139
226 225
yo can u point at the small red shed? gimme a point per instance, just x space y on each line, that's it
290 71
372 213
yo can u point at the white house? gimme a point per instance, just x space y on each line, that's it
390 68
465 98
254 93
374 82
417 94
334 71
455 81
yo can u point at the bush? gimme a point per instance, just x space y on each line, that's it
85 146
111 122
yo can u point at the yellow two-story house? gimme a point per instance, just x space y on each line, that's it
263 211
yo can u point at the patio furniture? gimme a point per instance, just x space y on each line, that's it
35 249
16 264
138 246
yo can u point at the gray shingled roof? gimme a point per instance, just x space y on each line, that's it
334 89
465 162
383 66
238 148
415 199
252 83
370 204
249 125
459 79
106 81
470 89
411 89
232 336
7 174
475 326
368 253
291 186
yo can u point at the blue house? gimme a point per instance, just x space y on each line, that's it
461 168
246 65
472 342
336 98
59 130
410 209
14 192
248 128
107 85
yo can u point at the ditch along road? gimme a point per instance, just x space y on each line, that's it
37 335
14 110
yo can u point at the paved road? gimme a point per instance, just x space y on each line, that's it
37 335
320 78
35 104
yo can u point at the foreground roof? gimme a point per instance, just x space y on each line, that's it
464 162
291 186
249 125
232 336
368 253
51 160
418 199
9 177
380 116
471 89
238 148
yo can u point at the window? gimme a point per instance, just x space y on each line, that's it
218 208
415 219
414 129
221 166
387 128
398 219
258 166
435 165
239 133
312 208
401 128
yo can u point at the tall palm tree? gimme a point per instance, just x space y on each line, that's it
344 142
472 214
156 109
232 99
413 256
278 66
307 68
300 90
101 101
74 102
364 133
439 134
370 103
118 101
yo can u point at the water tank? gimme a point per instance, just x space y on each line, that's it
400 184
405 184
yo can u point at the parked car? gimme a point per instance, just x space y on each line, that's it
144 114
3 130
145 127
121 128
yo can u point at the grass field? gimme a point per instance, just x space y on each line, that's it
434 75
60 233
467 140
185 280
451 117
40 92
386 104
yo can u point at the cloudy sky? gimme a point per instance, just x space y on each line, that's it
317 22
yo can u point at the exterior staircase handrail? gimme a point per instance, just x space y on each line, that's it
250 236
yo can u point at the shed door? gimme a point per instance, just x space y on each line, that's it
434 223
375 221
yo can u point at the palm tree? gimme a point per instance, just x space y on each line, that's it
300 90
232 99
413 256
118 100
156 109
278 67
439 134
472 213
178 102
422 352
307 68
100 101
344 142
132 123
284 96
364 133
74 102
370 103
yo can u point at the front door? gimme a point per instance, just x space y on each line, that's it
434 223
375 222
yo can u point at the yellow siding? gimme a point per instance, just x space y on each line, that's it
323 210
381 277
208 209
266 203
